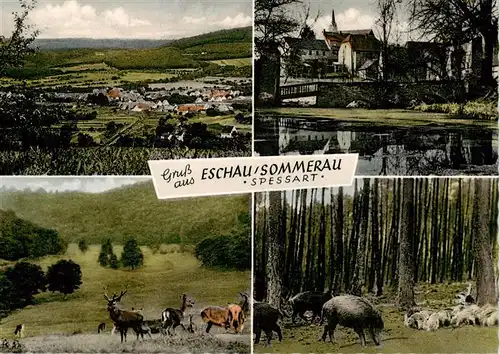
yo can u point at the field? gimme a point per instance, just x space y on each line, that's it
97 161
153 287
396 338
235 62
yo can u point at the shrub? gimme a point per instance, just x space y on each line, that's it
82 245
107 257
230 252
64 276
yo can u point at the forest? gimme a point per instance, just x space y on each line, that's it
375 236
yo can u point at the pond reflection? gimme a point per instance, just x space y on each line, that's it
384 150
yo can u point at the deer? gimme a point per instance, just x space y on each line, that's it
101 327
245 306
192 326
172 318
19 330
228 317
123 320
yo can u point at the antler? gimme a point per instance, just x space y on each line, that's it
105 295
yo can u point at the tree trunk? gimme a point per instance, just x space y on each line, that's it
339 244
275 252
375 253
406 297
485 276
359 275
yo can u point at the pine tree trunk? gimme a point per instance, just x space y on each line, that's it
485 276
339 245
275 251
359 275
320 284
406 297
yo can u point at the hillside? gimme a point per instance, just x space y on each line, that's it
236 35
111 43
131 211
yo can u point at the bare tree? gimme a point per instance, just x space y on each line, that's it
387 11
457 21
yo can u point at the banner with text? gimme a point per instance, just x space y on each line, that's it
236 175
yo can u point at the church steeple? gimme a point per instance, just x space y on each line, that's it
333 25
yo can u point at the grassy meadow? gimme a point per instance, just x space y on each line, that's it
396 338
165 275
167 232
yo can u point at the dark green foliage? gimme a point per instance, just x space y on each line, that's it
82 245
132 256
25 122
22 239
236 35
85 140
227 251
106 256
27 280
64 276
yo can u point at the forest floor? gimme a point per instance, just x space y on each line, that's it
59 324
396 338
392 117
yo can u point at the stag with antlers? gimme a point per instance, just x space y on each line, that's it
124 320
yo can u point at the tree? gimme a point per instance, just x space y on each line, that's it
458 21
106 256
387 10
82 245
485 274
27 280
132 255
64 276
406 297
14 50
275 257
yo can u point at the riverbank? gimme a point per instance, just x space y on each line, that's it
480 109
382 117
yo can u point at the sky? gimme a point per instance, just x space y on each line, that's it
149 19
69 184
349 15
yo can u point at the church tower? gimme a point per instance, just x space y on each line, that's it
333 25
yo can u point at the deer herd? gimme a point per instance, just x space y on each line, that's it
231 317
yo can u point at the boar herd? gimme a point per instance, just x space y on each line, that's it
348 310
360 315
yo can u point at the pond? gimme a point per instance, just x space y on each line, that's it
431 149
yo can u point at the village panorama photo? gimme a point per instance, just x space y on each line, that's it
101 88
410 85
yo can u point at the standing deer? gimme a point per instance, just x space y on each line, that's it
245 307
172 318
101 327
19 330
123 320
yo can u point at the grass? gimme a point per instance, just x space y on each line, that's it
227 120
130 211
396 338
393 117
155 286
98 161
235 62
479 109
